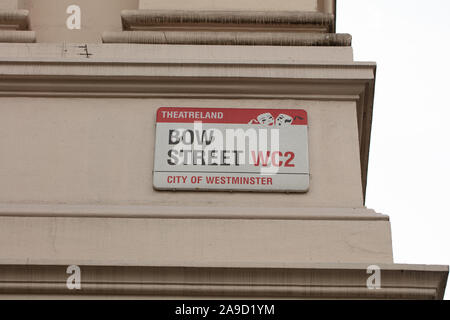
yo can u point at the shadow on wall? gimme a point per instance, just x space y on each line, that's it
49 18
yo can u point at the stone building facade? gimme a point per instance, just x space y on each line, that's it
77 129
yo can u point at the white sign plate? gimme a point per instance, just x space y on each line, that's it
230 149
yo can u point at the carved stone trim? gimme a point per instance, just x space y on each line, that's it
11 36
321 281
229 38
293 20
176 212
14 19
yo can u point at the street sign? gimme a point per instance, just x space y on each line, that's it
231 149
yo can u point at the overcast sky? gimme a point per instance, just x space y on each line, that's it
409 162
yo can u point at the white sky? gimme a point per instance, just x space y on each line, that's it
409 153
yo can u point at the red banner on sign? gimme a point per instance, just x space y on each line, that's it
267 117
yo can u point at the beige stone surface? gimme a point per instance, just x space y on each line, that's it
189 242
192 212
229 38
67 150
9 4
77 131
129 53
48 18
224 281
226 74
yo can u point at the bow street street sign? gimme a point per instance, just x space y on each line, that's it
231 149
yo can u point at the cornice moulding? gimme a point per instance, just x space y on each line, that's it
282 281
224 20
175 212
14 19
10 36
228 38
125 53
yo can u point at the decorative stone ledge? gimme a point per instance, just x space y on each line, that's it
13 24
322 281
175 212
14 19
194 20
228 38
17 36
